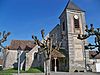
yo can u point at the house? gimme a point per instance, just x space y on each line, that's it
93 63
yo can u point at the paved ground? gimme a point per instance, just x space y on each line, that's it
60 73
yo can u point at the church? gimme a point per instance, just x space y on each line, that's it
70 56
72 23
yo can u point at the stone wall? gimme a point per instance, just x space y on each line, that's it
75 46
11 59
30 57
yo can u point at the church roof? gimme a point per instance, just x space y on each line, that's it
57 54
22 44
72 6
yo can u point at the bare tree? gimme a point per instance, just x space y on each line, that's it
92 32
46 48
3 37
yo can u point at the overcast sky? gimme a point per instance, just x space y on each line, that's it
26 17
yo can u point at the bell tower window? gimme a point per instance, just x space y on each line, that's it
76 21
63 26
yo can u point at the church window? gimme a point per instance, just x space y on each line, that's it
0 49
35 55
76 21
63 26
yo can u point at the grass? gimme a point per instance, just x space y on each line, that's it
9 71
12 70
34 70
6 74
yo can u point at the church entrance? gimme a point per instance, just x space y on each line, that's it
55 64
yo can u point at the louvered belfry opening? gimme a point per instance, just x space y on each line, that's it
76 23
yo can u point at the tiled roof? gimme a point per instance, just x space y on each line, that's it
56 54
23 44
91 53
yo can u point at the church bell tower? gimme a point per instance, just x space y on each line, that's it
72 21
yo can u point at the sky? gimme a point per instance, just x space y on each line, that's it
26 17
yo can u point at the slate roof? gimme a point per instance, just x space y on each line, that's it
93 53
23 44
70 5
55 53
73 6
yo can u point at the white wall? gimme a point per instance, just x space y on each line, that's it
97 67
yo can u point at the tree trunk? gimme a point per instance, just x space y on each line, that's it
47 67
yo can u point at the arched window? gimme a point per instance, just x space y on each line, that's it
76 21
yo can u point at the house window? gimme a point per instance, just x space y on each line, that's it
63 26
76 21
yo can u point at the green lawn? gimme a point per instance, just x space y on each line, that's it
35 70
31 70
5 74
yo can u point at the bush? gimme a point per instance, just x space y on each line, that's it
40 68
35 70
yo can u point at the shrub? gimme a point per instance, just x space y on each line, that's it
34 70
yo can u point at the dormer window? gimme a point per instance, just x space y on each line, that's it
76 21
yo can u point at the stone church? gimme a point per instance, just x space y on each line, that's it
69 57
72 23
